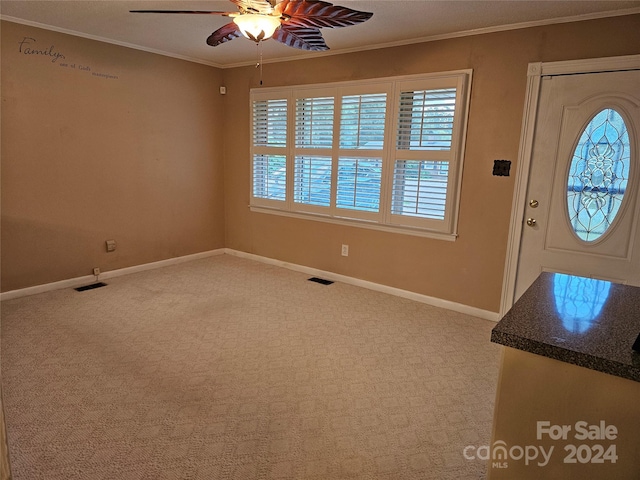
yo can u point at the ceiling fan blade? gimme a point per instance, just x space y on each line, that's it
303 38
254 6
224 34
318 14
194 12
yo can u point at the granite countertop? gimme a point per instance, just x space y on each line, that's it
582 321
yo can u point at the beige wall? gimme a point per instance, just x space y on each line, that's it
140 159
470 270
86 158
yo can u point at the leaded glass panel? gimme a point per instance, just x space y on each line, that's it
598 175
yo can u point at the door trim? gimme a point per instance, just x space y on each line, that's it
535 72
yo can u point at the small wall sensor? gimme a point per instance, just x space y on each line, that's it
223 90
501 168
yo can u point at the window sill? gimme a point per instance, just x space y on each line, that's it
402 230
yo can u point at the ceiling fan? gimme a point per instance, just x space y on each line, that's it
295 23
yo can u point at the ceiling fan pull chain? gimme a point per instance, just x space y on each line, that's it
259 46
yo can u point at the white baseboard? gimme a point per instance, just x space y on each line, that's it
336 277
79 281
160 264
47 287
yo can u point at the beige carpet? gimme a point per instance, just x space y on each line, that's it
226 368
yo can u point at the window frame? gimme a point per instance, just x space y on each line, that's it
389 153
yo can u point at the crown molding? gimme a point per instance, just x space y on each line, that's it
108 40
432 38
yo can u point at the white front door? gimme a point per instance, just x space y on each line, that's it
581 212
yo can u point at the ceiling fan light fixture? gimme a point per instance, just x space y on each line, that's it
256 26
294 23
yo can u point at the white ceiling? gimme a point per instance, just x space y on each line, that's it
394 23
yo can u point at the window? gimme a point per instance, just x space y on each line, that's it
382 154
269 149
598 175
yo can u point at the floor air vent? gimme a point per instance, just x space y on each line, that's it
91 287
321 281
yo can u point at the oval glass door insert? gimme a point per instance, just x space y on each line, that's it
598 175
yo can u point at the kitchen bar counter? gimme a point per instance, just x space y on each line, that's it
567 398
585 322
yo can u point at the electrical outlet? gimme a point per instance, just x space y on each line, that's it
111 245
345 250
96 271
